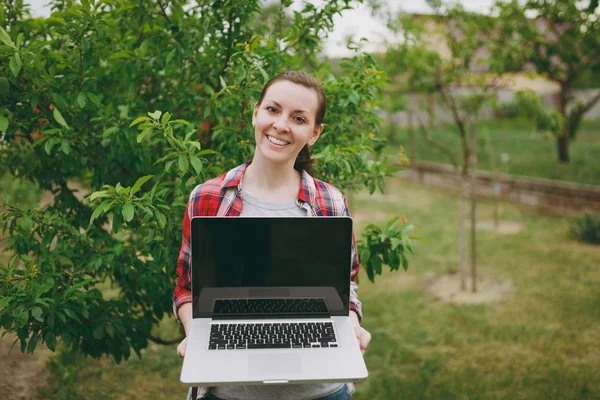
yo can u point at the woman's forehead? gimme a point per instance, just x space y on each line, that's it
291 95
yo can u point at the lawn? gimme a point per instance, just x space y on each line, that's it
529 154
542 342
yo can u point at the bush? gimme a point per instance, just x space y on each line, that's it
586 227
72 88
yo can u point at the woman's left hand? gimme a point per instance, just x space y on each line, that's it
362 335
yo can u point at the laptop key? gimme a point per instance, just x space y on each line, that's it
230 347
221 347
333 345
240 347
269 346
212 346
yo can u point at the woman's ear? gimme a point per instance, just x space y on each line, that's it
316 133
254 113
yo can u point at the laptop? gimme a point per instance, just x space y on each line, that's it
270 301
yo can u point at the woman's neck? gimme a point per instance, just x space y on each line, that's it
271 182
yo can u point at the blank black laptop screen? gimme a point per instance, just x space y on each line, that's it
270 266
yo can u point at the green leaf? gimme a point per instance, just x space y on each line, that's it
15 64
51 341
128 211
99 194
138 184
155 115
181 121
26 223
143 134
165 118
33 341
59 118
377 265
3 124
5 38
197 164
110 330
223 84
183 163
95 99
81 99
65 260
36 312
365 254
98 332
138 120
354 97
5 302
162 220
79 285
50 144
170 56
99 210
70 313
65 147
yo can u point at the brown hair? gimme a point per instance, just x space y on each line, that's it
303 161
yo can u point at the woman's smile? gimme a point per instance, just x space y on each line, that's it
278 142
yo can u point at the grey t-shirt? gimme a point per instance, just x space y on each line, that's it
252 207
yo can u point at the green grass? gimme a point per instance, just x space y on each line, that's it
540 343
529 154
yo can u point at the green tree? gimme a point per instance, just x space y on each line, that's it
136 103
453 55
560 38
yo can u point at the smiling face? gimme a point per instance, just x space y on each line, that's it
284 122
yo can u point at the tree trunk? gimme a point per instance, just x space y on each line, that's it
462 235
473 208
563 139
563 148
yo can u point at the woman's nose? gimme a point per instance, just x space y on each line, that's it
281 124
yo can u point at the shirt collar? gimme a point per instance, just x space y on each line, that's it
305 194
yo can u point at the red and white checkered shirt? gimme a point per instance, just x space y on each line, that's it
220 197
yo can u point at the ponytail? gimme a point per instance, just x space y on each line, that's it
303 161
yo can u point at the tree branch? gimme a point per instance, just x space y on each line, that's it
432 143
158 340
164 11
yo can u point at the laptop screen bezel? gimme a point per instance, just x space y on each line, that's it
344 225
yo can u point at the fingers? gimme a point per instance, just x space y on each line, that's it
181 348
363 337
364 340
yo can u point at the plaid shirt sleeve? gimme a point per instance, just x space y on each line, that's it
355 303
205 200
183 287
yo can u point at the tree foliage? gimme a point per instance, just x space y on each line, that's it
560 40
136 103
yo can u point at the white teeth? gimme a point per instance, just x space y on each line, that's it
277 141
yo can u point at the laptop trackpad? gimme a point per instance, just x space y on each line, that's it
275 366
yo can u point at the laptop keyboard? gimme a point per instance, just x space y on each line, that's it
294 335
233 307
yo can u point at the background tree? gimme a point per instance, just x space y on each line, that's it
560 39
120 108
452 54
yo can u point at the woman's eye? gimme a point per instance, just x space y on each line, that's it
300 119
271 109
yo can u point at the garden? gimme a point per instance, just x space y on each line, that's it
111 112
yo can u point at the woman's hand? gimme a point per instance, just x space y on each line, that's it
362 335
181 348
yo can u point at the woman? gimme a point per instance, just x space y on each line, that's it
287 120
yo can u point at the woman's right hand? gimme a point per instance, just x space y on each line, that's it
181 348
